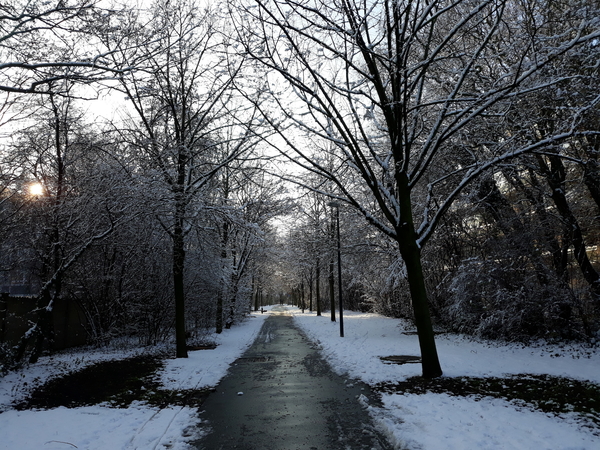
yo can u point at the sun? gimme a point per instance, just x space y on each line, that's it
36 189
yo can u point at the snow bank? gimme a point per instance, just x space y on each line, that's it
441 421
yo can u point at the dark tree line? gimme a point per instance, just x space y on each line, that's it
150 223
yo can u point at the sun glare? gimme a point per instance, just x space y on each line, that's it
36 189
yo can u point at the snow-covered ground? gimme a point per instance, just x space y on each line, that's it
444 422
100 427
369 336
428 422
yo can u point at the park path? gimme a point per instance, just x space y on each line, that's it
281 395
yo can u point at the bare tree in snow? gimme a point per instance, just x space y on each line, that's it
398 88
67 216
42 43
187 123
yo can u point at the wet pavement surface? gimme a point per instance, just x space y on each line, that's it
281 395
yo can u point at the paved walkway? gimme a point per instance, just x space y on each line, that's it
280 395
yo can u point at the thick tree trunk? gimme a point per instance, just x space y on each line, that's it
412 259
411 255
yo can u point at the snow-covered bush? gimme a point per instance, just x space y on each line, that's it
500 300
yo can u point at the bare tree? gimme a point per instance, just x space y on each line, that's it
42 43
180 129
250 199
65 217
399 88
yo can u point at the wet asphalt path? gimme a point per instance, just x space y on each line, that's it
291 399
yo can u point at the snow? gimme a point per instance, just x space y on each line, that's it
15 386
411 421
140 426
440 421
369 336
206 367
443 422
98 428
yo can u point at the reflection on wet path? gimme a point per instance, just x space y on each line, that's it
280 395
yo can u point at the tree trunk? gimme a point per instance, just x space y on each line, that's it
219 317
310 292
45 325
318 286
556 176
412 259
505 217
559 255
331 289
411 254
233 280
255 293
178 285
331 278
591 168
232 305
591 178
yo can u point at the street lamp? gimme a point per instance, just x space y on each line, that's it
336 205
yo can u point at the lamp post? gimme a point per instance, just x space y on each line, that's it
336 205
